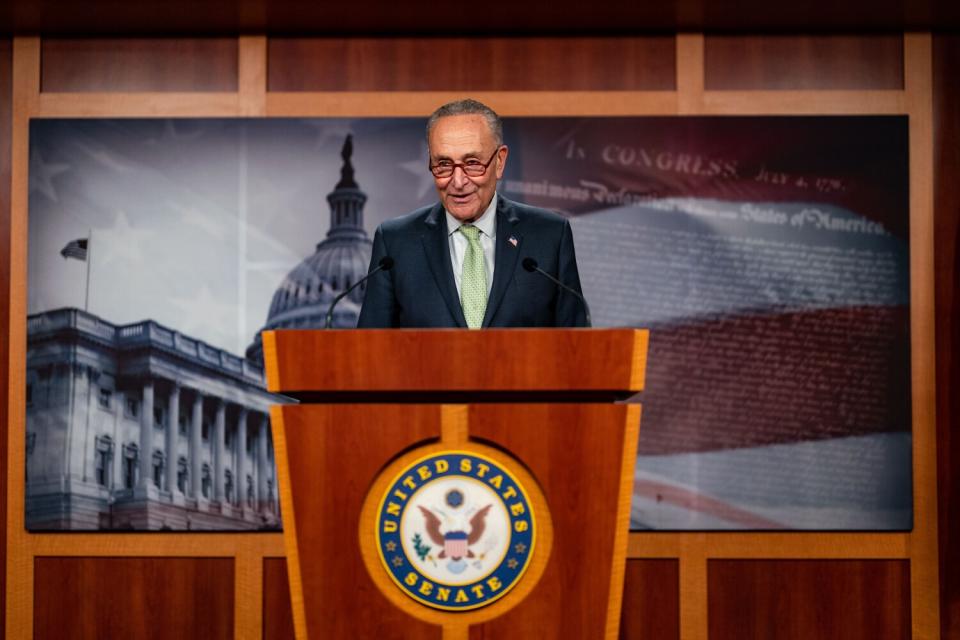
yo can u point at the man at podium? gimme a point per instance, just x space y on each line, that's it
474 259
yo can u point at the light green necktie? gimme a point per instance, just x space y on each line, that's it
473 278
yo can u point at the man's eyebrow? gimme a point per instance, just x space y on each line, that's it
466 156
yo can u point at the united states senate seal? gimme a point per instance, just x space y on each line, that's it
455 530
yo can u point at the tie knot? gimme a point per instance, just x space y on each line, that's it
471 232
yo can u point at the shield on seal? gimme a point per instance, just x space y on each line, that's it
455 544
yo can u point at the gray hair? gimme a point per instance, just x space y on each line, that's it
465 107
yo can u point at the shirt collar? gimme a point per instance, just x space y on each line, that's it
487 223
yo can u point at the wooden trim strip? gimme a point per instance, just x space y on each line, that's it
394 104
252 83
638 367
26 89
401 104
139 105
270 360
690 73
924 568
693 592
247 593
289 523
614 103
419 104
454 425
200 545
518 103
628 463
795 544
454 631
783 103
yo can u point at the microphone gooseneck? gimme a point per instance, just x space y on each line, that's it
531 265
385 264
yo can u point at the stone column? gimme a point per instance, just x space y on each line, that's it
217 449
196 426
173 427
263 434
89 441
146 435
120 403
78 421
241 477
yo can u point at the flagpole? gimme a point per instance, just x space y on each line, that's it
86 296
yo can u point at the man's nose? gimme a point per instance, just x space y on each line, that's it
459 178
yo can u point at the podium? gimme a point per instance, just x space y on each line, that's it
454 483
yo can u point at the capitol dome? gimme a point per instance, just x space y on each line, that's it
303 297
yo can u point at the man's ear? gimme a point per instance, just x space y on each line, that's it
502 153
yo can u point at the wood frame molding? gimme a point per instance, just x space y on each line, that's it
693 549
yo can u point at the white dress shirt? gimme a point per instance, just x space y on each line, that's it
487 224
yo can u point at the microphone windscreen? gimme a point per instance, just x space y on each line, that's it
386 263
530 264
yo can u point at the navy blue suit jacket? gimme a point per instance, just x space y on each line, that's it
420 290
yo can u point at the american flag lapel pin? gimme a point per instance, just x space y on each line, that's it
513 241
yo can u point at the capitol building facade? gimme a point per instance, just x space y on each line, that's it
142 427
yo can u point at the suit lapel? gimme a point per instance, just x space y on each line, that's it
436 247
506 254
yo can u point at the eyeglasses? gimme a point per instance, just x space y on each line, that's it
473 168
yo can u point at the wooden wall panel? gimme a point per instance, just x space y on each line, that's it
139 64
277 611
147 598
803 599
946 89
6 122
463 64
803 62
651 600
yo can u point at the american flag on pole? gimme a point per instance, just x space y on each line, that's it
76 249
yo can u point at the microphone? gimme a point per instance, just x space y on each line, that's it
385 264
531 265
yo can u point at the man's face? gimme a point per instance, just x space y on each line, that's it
458 139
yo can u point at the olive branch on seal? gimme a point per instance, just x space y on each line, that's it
418 546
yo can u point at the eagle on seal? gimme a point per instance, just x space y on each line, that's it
456 544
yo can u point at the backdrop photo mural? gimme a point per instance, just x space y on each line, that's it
768 256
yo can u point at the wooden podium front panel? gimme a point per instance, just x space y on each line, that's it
575 452
334 453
